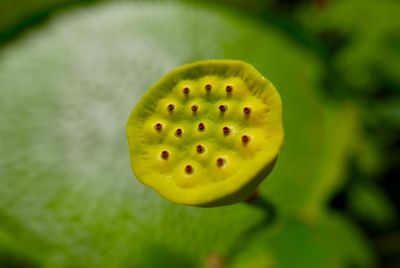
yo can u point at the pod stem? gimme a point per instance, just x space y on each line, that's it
261 202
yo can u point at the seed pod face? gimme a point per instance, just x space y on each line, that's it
207 133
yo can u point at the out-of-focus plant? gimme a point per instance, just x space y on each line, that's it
67 197
361 39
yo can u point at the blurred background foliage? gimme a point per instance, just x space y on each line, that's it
71 71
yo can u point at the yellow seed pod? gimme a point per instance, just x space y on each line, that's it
206 134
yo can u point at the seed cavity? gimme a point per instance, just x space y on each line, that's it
246 110
189 169
158 126
226 130
170 107
164 155
178 132
200 148
223 108
220 162
201 126
245 139
185 90
194 108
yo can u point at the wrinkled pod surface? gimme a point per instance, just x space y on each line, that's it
207 133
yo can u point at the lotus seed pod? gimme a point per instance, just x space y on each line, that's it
206 134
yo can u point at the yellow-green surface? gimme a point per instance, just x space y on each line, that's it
207 133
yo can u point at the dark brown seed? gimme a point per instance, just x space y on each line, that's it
208 87
158 126
170 107
245 139
226 130
199 148
178 132
220 161
246 110
188 169
164 155
201 126
194 108
222 108
229 89
185 90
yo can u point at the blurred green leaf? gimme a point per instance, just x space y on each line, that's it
345 243
17 15
333 241
15 248
67 91
370 54
370 204
342 133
